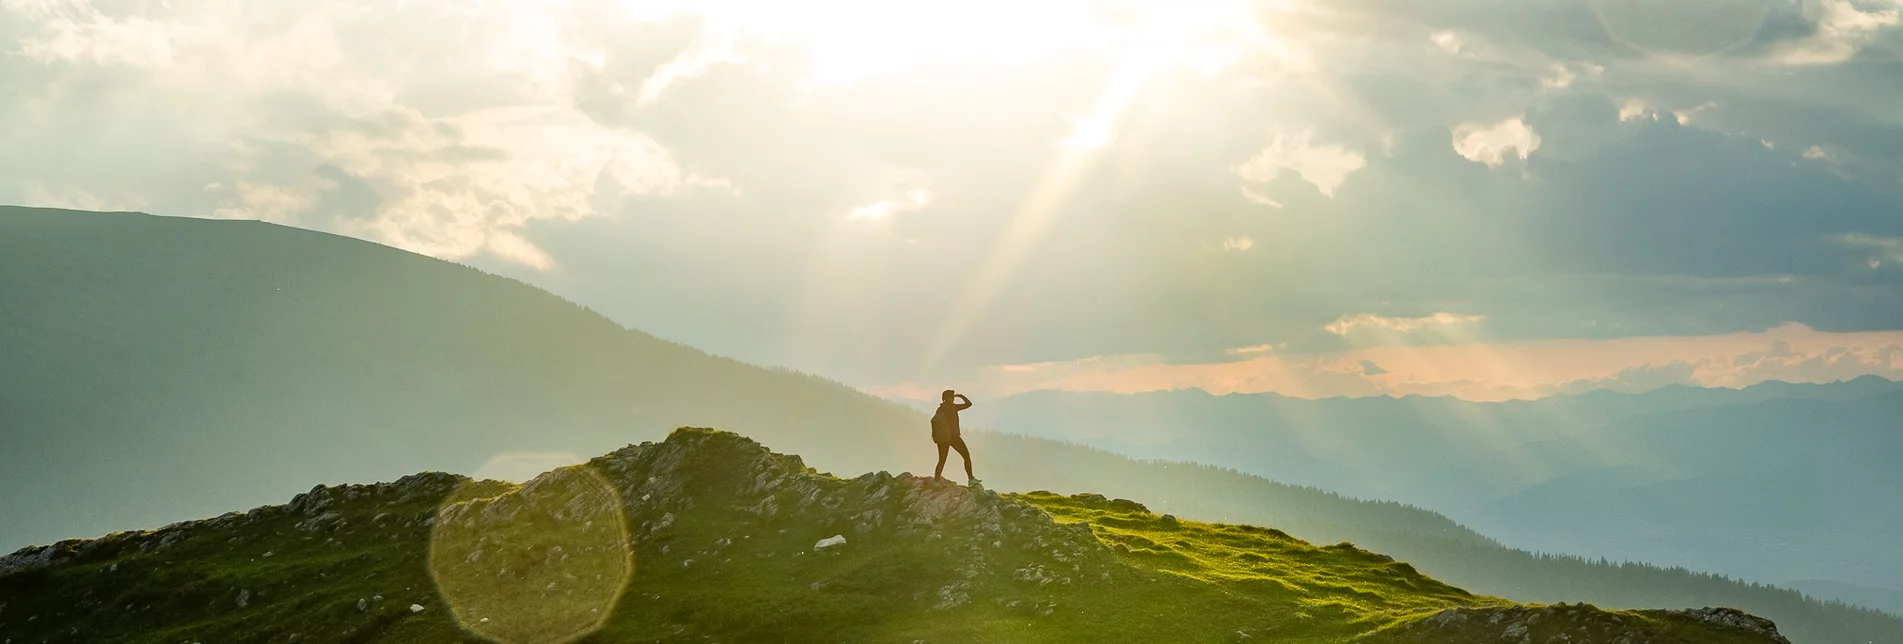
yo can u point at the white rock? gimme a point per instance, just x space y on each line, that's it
416 608
829 542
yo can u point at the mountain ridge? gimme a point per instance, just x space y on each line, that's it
915 559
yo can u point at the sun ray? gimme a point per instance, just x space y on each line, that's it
1046 200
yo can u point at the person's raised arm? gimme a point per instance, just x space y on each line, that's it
963 405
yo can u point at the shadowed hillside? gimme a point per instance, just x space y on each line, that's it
271 359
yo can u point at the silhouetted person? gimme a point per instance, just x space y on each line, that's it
945 433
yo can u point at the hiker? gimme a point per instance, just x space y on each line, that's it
945 433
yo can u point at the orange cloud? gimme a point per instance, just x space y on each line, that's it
1346 323
1484 372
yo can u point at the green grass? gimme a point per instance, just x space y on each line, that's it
925 561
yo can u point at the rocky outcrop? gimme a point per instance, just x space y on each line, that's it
1568 624
317 509
700 471
1732 618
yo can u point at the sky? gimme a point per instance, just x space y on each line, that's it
1489 199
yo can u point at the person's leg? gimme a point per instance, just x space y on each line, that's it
959 444
943 451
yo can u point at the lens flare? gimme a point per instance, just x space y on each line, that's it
543 564
1682 28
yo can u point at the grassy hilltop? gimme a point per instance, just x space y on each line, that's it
708 536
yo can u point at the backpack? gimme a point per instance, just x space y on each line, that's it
939 431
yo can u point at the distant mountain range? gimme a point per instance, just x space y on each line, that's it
158 369
1773 482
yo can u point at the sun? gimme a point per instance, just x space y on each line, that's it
852 40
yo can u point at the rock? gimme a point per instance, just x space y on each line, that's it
953 596
416 608
363 605
829 543
1734 618
244 598
29 559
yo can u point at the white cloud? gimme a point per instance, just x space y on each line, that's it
711 49
75 31
1634 108
1843 29
1684 116
464 134
1255 197
1238 243
1447 41
1561 78
1260 348
1492 144
1348 323
1324 166
915 199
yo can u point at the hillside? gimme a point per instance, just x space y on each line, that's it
1691 488
1678 475
707 536
157 369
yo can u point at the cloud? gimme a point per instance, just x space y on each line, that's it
709 50
915 199
1348 323
1260 348
1489 372
1258 198
1492 144
1884 248
1447 41
1325 166
465 135
610 151
1562 78
75 31
1843 28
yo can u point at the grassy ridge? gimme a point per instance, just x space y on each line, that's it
723 539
